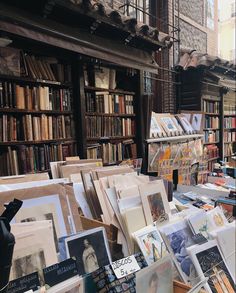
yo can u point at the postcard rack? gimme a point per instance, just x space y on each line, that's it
172 157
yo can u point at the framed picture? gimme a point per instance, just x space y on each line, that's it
90 248
59 197
197 122
151 244
43 208
185 124
156 129
178 238
155 202
156 277
210 263
169 125
33 251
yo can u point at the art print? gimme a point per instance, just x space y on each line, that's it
197 121
156 206
169 124
90 250
155 202
210 264
43 208
178 237
157 277
151 244
186 124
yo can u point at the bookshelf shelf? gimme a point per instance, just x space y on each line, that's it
229 115
10 143
109 114
205 129
213 99
27 111
168 138
115 91
110 138
27 80
214 142
212 114
228 129
213 159
228 142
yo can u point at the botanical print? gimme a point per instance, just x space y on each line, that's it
90 250
213 267
157 207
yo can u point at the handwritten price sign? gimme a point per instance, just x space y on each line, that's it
125 266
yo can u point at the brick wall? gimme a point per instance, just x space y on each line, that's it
193 9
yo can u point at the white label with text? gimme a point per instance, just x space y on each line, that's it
125 266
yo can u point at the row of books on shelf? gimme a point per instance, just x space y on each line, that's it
112 152
18 63
211 107
35 128
103 102
30 159
211 136
211 151
229 109
229 136
228 150
17 96
212 122
109 126
230 122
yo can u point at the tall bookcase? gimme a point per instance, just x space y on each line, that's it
197 94
109 102
229 122
36 104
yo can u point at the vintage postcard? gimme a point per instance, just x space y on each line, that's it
155 202
199 223
158 277
150 243
90 248
43 208
178 237
217 218
210 263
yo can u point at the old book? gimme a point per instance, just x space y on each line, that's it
20 97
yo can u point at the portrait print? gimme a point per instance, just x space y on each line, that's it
157 207
90 250
169 124
156 278
28 264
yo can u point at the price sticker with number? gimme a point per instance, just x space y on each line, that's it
125 266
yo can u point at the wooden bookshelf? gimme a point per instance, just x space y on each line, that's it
205 96
115 91
112 112
36 120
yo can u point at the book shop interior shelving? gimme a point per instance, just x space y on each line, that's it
33 135
205 97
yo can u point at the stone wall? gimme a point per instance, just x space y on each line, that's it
192 38
193 9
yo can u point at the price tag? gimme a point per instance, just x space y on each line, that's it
125 266
24 284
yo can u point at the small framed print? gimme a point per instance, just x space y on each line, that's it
155 202
185 124
150 243
90 248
